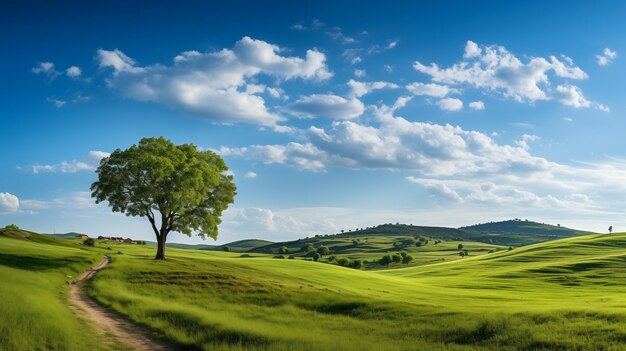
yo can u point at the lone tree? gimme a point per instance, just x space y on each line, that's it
610 229
185 189
407 259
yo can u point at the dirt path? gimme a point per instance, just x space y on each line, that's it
109 323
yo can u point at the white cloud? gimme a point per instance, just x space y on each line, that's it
314 25
46 68
429 89
571 95
388 68
568 119
526 138
326 105
337 35
209 84
57 103
397 144
80 199
301 156
606 57
250 175
9 203
472 50
450 104
437 189
73 71
494 68
392 44
477 105
358 89
117 60
359 73
89 163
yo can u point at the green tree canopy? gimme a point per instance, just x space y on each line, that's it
385 260
185 189
323 250
407 259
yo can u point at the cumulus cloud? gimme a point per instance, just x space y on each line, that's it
358 89
429 89
526 138
494 68
477 105
437 189
73 72
396 143
359 73
606 57
326 105
450 104
250 175
9 203
88 163
46 68
570 95
213 85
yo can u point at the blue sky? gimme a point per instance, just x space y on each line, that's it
331 116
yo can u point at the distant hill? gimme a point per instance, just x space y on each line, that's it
236 246
506 233
246 244
70 235
526 227
20 234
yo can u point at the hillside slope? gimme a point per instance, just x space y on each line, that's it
526 227
562 295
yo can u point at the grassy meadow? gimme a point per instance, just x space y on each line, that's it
561 295
35 271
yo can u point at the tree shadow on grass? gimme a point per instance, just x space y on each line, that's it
35 263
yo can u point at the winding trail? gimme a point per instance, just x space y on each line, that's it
109 323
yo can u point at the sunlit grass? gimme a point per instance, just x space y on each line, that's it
562 295
34 313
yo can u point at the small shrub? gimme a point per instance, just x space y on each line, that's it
280 257
89 242
291 257
120 253
244 255
344 262
356 264
12 226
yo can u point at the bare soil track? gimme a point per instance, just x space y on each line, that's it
109 323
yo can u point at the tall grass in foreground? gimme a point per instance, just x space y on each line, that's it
563 295
34 313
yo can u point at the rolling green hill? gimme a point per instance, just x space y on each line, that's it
566 294
35 270
369 242
70 235
235 246
526 227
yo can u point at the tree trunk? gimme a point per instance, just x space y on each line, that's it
160 255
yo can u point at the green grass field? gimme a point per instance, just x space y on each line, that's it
34 314
561 295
